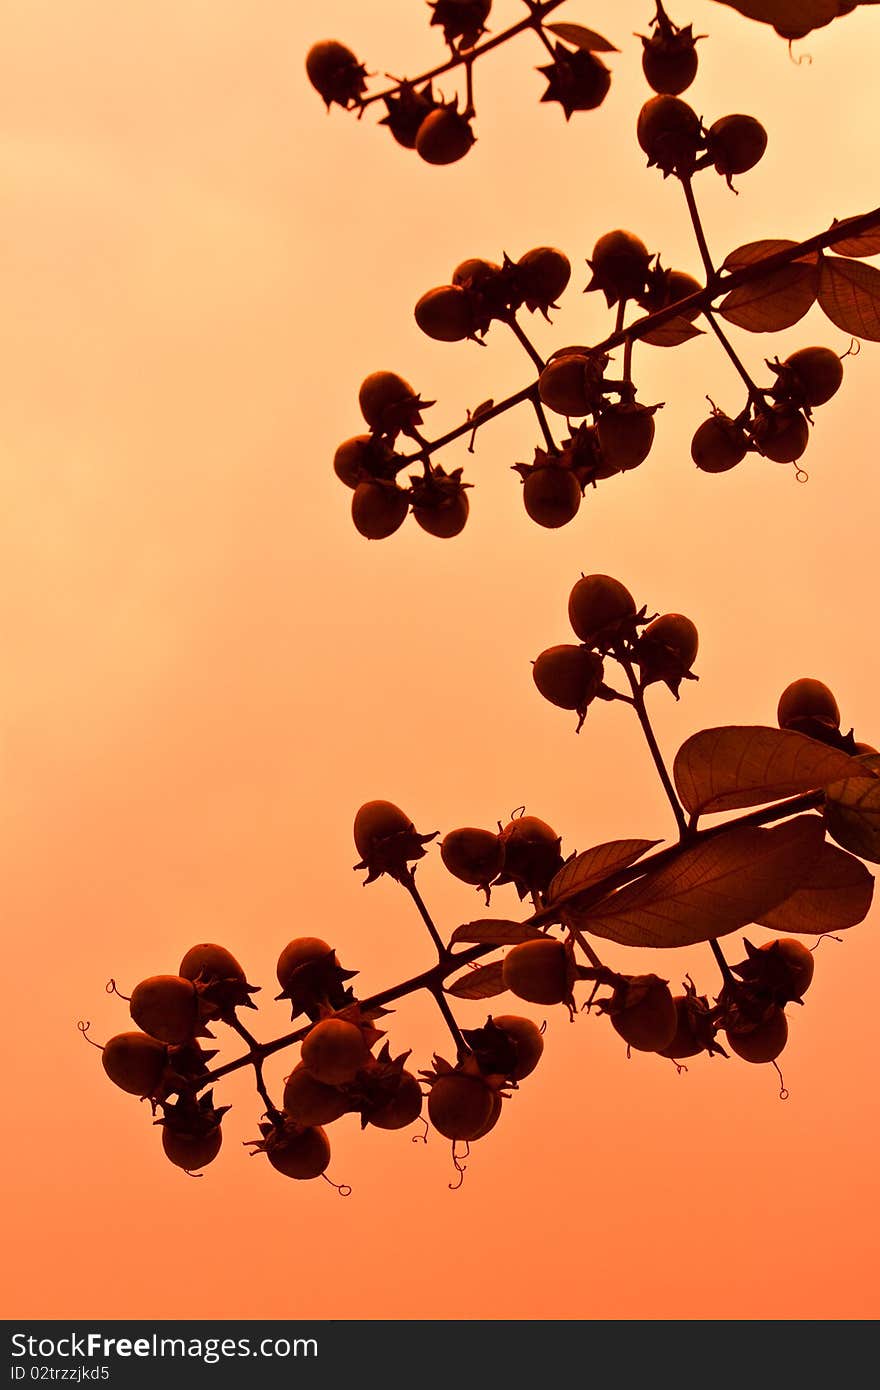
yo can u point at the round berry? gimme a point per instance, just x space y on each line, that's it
598 607
445 314
718 445
378 509
444 137
538 971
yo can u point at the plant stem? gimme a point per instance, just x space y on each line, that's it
754 393
647 730
256 1059
522 338
471 54
697 302
433 978
409 883
722 963
440 1000
697 224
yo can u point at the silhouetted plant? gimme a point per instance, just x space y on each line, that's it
795 785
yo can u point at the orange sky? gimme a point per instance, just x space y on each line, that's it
207 670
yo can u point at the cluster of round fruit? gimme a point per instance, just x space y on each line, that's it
604 616
750 1010
775 425
675 140
525 852
368 464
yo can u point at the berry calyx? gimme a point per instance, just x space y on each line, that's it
462 21
808 377
506 1046
439 501
191 1151
400 1107
296 1152
781 969
669 57
388 403
363 458
407 109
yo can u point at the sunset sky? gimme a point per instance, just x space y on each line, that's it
207 670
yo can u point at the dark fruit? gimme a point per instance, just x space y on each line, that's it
378 509
387 402
312 1102
335 72
807 700
166 1007
568 676
668 131
817 373
718 445
600 609
298 1153
531 854
446 518
620 266
334 1051
669 59
404 1107
134 1062
459 1106
551 495
736 144
579 81
445 136
304 950
191 1151
472 855
643 1012
527 1040
445 314
626 433
780 433
761 1042
538 971
542 274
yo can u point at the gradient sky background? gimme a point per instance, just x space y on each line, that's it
207 670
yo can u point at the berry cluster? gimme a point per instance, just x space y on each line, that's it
440 130
612 891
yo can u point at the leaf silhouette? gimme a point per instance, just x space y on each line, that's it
589 868
579 37
849 293
787 14
716 887
734 766
772 301
671 333
835 894
495 932
862 244
852 813
753 251
483 983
